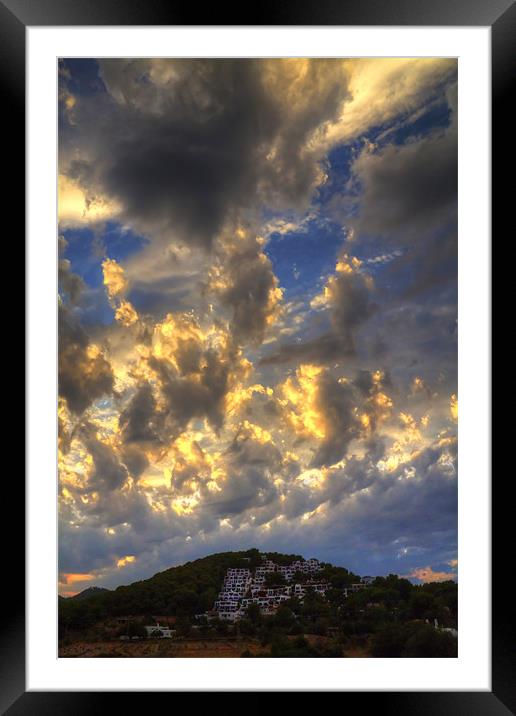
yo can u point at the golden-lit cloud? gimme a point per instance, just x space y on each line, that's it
427 574
300 402
410 82
124 561
114 278
70 578
76 208
454 407
116 287
125 313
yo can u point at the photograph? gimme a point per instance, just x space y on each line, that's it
257 407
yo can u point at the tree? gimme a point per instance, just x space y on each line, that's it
254 614
274 579
389 641
284 618
430 642
183 626
247 627
222 628
321 626
421 605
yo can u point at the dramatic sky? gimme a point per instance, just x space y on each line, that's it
257 314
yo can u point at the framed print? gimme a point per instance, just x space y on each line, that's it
258 271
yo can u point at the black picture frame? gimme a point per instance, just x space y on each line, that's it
15 16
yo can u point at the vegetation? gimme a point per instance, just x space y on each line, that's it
390 618
186 590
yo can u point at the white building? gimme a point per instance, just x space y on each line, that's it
154 629
241 587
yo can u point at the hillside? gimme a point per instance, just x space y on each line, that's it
184 590
387 616
89 592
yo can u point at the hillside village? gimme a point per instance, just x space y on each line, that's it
243 587
251 603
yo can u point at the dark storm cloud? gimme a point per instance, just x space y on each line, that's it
108 472
139 420
408 190
409 200
350 306
194 395
135 460
337 402
251 466
250 289
69 283
84 374
421 339
187 142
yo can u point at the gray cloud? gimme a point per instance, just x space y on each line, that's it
192 151
69 283
251 467
200 394
139 421
350 304
408 199
337 402
108 472
197 139
249 290
410 189
83 375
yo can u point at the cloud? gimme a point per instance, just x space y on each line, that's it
320 406
78 208
69 283
114 278
454 407
205 140
407 199
245 283
427 574
250 465
108 472
186 373
407 189
139 421
116 287
213 406
411 83
348 299
84 372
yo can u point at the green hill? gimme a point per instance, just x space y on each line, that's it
89 592
385 616
188 589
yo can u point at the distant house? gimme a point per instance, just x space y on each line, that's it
368 580
162 632
357 586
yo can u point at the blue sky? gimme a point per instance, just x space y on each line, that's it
258 314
